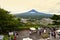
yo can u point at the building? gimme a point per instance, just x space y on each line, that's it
46 21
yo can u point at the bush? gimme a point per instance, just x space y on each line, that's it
45 35
5 37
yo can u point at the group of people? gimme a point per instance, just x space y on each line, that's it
15 35
51 31
41 30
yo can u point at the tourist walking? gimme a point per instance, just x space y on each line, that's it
53 34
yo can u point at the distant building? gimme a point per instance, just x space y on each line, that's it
46 21
24 20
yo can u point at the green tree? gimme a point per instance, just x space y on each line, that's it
56 19
7 21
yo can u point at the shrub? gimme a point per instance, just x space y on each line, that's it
45 35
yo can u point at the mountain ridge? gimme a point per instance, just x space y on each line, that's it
33 14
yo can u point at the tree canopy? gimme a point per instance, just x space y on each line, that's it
56 19
8 21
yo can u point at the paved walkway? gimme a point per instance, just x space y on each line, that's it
25 34
34 36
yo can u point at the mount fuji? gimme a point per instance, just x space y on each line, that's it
33 14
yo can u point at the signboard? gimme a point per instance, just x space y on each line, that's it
1 36
10 33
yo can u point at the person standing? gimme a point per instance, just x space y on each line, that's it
53 34
14 37
17 35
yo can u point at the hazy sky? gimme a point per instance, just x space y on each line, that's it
49 6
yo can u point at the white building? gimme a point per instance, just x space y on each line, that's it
46 21
24 20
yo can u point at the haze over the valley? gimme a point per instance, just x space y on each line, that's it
47 6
